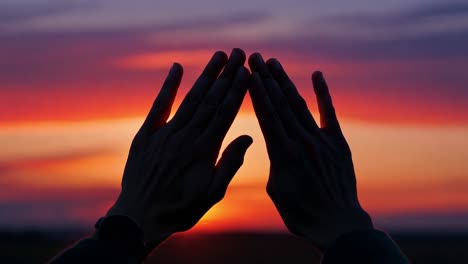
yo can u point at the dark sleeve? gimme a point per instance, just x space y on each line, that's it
93 250
364 247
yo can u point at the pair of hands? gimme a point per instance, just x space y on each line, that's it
171 178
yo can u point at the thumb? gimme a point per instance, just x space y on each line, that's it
229 163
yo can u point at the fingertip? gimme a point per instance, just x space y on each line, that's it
255 55
255 58
272 61
220 55
174 76
247 140
239 52
274 64
176 69
317 76
318 81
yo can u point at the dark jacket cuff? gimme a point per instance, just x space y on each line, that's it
365 247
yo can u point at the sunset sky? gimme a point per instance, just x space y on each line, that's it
78 77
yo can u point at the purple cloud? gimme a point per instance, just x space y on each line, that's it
21 12
425 13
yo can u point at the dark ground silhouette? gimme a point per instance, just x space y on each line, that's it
38 247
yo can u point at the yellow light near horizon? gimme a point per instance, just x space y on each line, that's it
381 152
44 139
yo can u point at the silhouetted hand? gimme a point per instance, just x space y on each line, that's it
312 181
171 178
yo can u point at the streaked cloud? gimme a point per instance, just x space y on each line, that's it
66 156
21 11
422 13
160 60
24 207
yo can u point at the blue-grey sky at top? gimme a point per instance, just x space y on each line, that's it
55 14
432 32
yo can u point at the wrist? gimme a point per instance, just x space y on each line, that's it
337 225
153 234
123 233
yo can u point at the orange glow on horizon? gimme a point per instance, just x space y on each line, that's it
399 169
